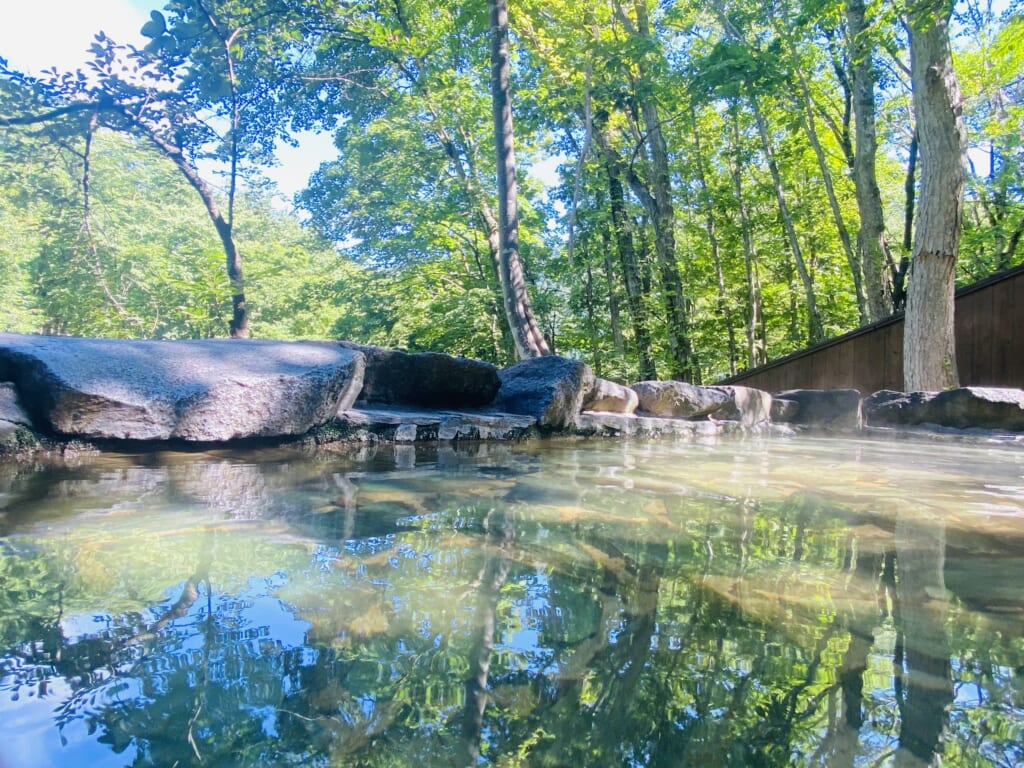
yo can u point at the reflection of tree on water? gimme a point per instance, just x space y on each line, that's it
499 530
601 627
874 567
924 688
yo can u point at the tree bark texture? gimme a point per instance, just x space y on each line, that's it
872 247
929 353
528 337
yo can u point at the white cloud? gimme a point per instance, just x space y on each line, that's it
298 163
39 34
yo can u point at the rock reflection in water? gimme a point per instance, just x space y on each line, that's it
779 603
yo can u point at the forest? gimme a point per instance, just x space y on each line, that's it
700 187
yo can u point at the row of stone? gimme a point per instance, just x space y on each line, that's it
217 391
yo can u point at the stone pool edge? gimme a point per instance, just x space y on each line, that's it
64 395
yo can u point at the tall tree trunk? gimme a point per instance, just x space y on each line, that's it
815 332
756 337
872 248
899 271
630 272
684 361
501 338
929 353
723 307
527 334
588 302
614 313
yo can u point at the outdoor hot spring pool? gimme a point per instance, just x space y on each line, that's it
764 602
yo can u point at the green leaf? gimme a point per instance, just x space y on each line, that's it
156 26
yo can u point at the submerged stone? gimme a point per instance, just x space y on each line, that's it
593 423
210 390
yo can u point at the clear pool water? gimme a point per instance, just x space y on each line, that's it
751 603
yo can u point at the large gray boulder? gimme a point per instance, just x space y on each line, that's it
981 407
609 397
783 411
10 406
964 408
549 388
209 390
16 435
425 379
888 407
750 407
825 408
680 399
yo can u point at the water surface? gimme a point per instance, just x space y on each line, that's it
748 603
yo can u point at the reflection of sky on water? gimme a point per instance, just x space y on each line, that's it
28 736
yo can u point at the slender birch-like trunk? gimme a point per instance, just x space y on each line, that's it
929 349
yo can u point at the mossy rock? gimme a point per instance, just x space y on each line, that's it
16 439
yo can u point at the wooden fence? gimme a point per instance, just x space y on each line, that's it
989 347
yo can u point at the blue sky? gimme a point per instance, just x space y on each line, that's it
38 34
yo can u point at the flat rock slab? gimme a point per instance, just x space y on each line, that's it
620 425
210 390
408 426
597 424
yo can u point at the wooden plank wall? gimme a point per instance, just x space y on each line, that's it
989 347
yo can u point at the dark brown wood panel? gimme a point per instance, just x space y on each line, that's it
989 339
